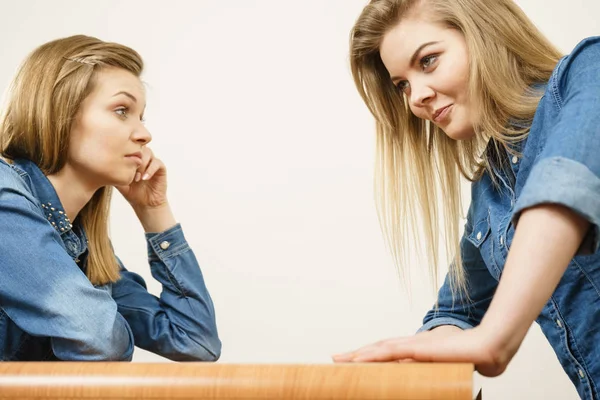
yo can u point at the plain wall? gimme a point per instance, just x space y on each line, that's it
270 155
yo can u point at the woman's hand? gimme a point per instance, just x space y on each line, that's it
147 194
149 186
439 345
546 239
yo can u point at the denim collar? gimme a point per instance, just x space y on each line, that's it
44 191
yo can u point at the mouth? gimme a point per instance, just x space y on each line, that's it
441 113
135 157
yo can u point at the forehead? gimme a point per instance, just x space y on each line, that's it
109 81
400 42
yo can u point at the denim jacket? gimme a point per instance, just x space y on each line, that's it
560 164
49 310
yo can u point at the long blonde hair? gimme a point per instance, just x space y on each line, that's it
417 164
43 103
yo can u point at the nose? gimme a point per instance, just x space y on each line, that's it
420 94
141 135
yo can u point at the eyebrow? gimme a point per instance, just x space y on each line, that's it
415 54
132 97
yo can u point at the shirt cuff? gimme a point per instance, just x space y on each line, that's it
434 323
169 243
559 180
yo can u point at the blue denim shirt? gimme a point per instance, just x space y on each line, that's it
49 310
560 164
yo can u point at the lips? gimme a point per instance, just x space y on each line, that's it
441 112
137 157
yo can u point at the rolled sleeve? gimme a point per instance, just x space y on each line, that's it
559 180
567 169
434 323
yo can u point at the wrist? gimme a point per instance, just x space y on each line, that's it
156 218
501 342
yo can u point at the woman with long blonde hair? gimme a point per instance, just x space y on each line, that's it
471 88
72 130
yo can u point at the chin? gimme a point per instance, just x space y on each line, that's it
460 134
123 180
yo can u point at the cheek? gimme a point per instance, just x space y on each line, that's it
88 148
454 79
94 152
98 138
418 112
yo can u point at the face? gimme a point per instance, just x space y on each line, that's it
430 64
109 132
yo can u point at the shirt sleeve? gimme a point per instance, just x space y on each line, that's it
180 324
567 171
45 293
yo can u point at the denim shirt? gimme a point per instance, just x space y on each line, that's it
49 310
559 164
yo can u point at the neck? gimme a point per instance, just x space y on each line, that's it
73 191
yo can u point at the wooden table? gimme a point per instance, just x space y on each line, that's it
103 380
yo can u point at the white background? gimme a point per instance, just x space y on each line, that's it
270 154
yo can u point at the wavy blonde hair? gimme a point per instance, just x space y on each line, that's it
43 103
417 164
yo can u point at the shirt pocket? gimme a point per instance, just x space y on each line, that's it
480 230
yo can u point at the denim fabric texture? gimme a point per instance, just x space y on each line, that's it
559 164
49 310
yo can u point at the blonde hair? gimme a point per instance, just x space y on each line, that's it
417 164
44 100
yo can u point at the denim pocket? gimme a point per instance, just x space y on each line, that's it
481 230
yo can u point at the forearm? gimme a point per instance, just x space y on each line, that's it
546 239
156 219
181 323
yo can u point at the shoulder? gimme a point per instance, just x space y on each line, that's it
582 65
588 47
10 176
13 182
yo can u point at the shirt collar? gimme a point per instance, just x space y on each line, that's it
47 196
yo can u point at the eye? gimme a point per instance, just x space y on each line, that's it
122 112
428 61
402 86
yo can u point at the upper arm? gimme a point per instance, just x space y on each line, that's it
567 171
576 96
44 292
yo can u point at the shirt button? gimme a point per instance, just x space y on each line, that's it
165 245
478 235
501 240
559 323
515 159
581 374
